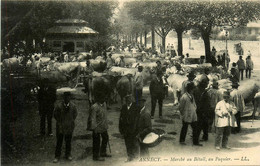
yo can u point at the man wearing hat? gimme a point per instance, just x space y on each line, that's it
187 109
46 99
191 76
144 126
234 73
139 83
239 102
158 67
128 127
241 66
214 97
109 61
88 70
224 120
122 61
97 123
157 92
65 114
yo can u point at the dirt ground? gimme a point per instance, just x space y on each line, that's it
28 149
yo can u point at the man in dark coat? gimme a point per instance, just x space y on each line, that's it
46 99
128 127
144 126
157 92
202 100
234 73
65 114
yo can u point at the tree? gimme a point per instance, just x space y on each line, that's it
43 14
208 15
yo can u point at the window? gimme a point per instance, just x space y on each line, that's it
80 44
56 43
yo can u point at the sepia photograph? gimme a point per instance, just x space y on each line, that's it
130 82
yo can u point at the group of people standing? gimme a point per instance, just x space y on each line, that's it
201 107
242 65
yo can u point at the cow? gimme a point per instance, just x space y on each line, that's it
175 83
256 111
12 63
125 86
64 74
100 83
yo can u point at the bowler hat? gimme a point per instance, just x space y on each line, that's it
226 94
191 74
140 67
158 62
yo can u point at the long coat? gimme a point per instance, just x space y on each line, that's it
188 108
238 100
224 117
144 124
65 117
97 120
157 88
241 64
46 98
128 120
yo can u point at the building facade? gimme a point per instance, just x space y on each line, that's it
70 35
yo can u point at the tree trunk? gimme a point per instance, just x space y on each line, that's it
153 38
205 37
163 44
136 38
145 39
180 46
141 39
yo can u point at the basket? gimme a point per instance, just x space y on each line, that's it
153 138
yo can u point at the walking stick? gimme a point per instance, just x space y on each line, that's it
109 146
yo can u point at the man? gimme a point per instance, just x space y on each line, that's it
158 67
122 62
46 99
157 92
65 114
238 100
187 109
204 76
109 61
224 120
214 97
234 73
139 83
203 104
97 122
66 57
173 52
128 127
144 126
249 67
88 80
241 66
191 76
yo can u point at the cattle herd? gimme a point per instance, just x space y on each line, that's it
119 79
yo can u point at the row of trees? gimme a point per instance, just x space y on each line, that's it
161 17
28 20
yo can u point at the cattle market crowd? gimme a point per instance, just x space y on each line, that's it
210 97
